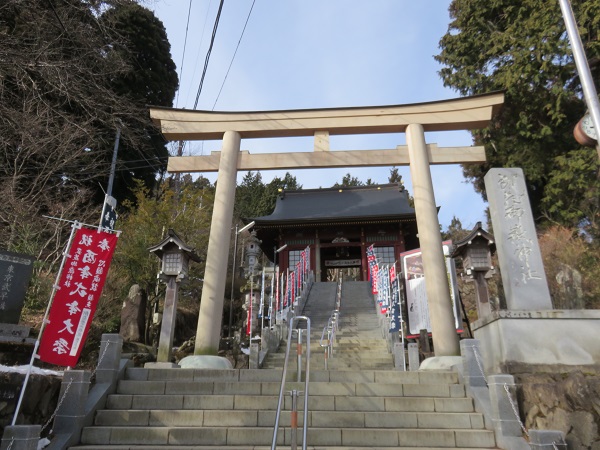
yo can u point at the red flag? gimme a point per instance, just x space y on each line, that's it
374 276
81 282
393 273
293 289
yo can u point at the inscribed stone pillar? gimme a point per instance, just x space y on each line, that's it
167 327
519 256
445 338
213 291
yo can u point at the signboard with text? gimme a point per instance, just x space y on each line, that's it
81 282
416 294
15 273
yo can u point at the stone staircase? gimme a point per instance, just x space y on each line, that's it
359 404
359 343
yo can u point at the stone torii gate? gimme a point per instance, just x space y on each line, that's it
467 113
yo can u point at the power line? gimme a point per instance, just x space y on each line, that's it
187 26
212 41
233 57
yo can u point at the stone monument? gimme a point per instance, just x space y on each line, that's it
15 273
133 316
529 332
523 276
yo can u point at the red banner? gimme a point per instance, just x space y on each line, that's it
81 282
374 277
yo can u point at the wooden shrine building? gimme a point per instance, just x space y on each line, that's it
339 224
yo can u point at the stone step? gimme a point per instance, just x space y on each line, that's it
269 402
360 403
266 418
265 375
345 388
251 436
254 447
337 365
340 344
350 355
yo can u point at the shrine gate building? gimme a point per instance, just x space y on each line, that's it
338 224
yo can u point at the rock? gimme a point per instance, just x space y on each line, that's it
568 401
39 401
133 316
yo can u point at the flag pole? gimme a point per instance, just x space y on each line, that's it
55 288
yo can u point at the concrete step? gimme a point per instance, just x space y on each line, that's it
345 388
395 404
337 352
266 418
265 375
359 403
253 447
251 436
336 364
316 359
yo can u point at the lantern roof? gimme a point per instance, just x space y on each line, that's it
173 240
476 234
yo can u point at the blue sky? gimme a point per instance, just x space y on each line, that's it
298 54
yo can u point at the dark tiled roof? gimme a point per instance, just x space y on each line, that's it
378 201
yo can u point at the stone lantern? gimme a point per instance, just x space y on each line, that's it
476 251
175 257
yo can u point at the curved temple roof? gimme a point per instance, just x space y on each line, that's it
340 203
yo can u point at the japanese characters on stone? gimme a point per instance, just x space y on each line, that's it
15 273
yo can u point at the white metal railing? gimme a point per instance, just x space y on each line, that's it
332 327
294 392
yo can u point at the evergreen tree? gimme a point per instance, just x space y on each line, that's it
349 181
521 48
455 231
395 177
141 39
249 195
255 199
145 223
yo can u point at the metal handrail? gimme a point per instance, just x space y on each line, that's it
332 326
306 379
331 329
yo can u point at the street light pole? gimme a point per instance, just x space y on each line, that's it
248 226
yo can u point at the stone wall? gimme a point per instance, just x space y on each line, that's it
38 405
564 398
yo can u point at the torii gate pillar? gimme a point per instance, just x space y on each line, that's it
211 305
445 338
